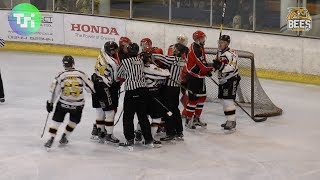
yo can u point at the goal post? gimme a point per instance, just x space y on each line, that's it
250 94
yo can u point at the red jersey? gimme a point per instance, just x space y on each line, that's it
197 65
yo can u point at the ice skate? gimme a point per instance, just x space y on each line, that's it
112 138
189 124
49 143
94 132
167 138
129 144
179 136
229 125
138 136
63 140
2 100
198 122
101 136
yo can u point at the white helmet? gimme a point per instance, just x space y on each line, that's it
182 39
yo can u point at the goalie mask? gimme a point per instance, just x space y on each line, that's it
199 37
68 62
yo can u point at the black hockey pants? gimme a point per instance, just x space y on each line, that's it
135 102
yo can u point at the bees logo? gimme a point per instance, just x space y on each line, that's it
299 19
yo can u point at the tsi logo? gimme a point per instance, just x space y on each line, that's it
299 19
25 19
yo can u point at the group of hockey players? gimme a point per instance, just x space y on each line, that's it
152 82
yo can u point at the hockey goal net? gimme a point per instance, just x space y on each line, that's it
250 94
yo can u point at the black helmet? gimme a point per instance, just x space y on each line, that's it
180 49
110 46
68 61
225 38
133 50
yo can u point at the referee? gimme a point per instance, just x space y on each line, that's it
131 69
171 90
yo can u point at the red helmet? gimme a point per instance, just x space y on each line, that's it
148 49
124 40
198 35
146 42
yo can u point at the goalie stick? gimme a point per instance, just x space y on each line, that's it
255 119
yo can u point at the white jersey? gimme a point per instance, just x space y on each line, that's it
155 76
230 60
68 87
107 67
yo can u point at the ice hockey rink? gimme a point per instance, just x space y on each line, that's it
283 147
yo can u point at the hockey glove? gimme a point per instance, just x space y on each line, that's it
209 74
49 107
218 65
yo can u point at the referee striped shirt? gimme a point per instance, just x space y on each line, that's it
174 65
131 69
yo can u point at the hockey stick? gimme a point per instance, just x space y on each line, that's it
255 119
180 85
222 17
169 113
118 118
45 125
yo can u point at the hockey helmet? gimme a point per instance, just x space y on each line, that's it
145 42
180 49
182 39
110 46
133 49
124 40
68 62
199 37
225 38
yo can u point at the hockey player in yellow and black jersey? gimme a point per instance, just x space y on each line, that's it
229 78
107 87
67 88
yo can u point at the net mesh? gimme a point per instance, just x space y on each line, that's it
250 94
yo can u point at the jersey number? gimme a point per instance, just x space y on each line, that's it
71 89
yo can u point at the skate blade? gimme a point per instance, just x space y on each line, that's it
173 142
101 141
157 145
179 139
130 148
94 138
229 131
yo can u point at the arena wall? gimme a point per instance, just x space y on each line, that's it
276 56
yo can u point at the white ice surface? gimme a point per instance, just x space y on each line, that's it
284 147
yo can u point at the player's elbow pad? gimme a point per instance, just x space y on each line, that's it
218 65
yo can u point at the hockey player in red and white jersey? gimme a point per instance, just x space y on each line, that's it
155 79
229 78
197 69
67 88
107 87
147 43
